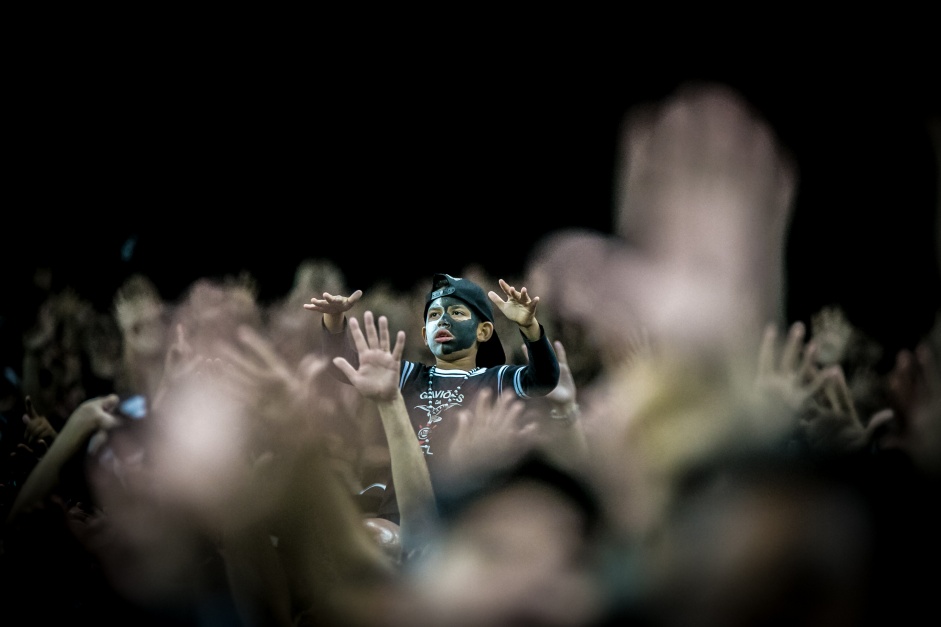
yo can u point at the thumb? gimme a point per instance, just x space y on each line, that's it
345 367
110 402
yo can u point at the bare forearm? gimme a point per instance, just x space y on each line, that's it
44 478
409 471
567 444
333 322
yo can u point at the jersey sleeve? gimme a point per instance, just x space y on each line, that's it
541 375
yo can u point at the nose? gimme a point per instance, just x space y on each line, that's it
444 321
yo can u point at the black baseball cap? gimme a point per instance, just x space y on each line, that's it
489 353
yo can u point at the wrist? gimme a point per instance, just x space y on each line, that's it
334 323
531 331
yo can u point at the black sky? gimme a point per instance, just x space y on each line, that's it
410 163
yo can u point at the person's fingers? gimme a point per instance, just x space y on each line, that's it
312 366
30 408
841 391
399 349
483 399
505 411
528 433
766 350
359 340
816 384
345 367
259 346
22 449
808 362
109 403
463 421
792 347
384 341
372 336
560 353
237 376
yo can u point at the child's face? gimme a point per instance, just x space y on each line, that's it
450 327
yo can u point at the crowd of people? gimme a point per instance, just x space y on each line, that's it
629 433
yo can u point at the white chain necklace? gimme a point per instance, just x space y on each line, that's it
436 405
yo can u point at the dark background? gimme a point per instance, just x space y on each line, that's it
402 159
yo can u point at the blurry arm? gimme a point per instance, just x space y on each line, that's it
378 379
814 404
565 442
333 308
91 417
325 560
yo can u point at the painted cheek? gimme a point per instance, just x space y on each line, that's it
465 333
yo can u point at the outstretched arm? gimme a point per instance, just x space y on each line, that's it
518 307
293 492
566 442
378 379
90 418
333 308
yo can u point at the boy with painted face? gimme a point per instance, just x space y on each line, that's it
468 357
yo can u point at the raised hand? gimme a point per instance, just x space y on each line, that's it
816 402
38 426
831 424
490 435
379 365
787 374
518 307
139 312
180 362
258 371
915 386
333 304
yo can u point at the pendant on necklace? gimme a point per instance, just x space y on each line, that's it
437 404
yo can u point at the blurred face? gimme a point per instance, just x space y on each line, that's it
143 326
452 328
518 556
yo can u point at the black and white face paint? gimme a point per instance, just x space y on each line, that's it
450 326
